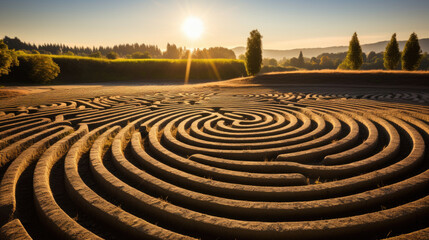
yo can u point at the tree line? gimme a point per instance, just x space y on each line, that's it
42 69
31 66
411 58
36 68
174 52
59 49
132 51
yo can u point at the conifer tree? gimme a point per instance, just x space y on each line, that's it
392 54
254 53
412 54
354 58
300 59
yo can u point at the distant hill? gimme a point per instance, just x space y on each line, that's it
314 52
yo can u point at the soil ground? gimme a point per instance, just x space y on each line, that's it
317 82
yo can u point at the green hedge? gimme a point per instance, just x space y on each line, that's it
76 69
82 69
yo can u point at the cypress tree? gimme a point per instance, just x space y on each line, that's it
354 58
412 54
392 54
300 60
254 53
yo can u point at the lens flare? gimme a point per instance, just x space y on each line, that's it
193 27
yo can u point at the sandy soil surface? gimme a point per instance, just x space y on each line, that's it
317 82
248 158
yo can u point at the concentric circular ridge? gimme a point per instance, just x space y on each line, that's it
216 166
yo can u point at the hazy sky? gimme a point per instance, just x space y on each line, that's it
284 24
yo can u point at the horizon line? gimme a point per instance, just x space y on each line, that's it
231 48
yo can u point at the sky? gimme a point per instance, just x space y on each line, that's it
284 24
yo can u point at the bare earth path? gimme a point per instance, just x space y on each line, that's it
30 96
230 160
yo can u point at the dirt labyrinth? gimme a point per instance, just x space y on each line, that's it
210 165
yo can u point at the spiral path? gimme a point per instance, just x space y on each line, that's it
216 166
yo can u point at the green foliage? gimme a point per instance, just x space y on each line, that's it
69 53
376 62
412 54
294 62
49 53
8 59
424 64
96 54
344 66
242 57
269 62
326 62
371 56
78 69
300 60
140 55
112 55
254 53
329 61
36 68
272 62
49 48
213 52
173 52
392 56
354 58
314 61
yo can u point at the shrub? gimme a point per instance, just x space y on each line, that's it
254 53
412 54
37 69
96 54
392 56
8 59
112 55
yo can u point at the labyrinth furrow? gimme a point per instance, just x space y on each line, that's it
216 166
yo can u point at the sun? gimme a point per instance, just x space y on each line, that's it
193 27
